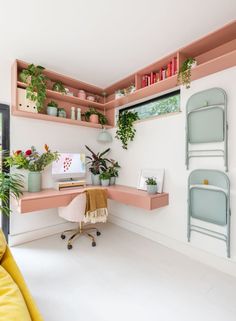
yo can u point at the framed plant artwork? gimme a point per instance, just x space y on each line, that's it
157 174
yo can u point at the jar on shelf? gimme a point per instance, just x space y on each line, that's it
91 98
72 113
78 113
61 112
81 94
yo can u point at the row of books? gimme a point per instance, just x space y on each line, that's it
166 71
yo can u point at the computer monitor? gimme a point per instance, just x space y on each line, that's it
69 166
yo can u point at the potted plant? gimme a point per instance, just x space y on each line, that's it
126 131
105 178
59 87
113 171
94 116
52 108
184 74
97 164
36 84
34 162
11 185
151 185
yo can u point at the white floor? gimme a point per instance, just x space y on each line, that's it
125 278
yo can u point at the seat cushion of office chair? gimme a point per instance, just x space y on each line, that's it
74 212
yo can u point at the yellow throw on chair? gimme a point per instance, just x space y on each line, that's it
16 303
96 206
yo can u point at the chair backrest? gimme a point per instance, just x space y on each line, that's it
206 116
74 212
209 203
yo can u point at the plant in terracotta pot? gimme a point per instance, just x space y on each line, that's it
36 84
126 131
151 185
105 178
184 74
94 116
34 162
11 185
113 171
52 108
97 164
59 87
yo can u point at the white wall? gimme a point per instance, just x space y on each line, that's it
160 143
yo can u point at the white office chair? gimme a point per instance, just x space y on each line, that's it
75 212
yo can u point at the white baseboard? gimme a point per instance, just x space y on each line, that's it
222 264
29 236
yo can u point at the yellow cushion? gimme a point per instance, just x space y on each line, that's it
3 244
12 304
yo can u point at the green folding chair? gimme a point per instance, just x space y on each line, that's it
210 203
206 122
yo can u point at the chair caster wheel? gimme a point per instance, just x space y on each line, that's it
93 244
98 233
69 246
63 236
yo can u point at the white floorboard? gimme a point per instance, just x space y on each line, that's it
125 278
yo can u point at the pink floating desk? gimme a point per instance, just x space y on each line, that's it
51 198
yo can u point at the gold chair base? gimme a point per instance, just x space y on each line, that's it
82 230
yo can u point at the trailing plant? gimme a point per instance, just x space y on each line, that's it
31 159
105 175
97 163
52 103
184 74
11 185
126 131
58 86
151 181
36 84
113 168
92 111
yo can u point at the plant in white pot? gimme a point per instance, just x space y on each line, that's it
97 164
105 178
52 108
113 170
151 185
34 162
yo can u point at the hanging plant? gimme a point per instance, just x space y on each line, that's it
184 74
126 131
36 84
91 111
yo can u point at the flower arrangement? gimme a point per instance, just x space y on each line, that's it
31 159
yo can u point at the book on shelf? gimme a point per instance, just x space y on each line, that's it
166 71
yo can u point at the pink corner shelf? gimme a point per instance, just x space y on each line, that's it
51 198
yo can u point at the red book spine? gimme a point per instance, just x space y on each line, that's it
160 74
168 72
154 77
157 76
143 83
151 78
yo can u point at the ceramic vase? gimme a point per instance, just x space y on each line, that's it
95 179
105 182
52 111
93 119
112 180
34 182
152 189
